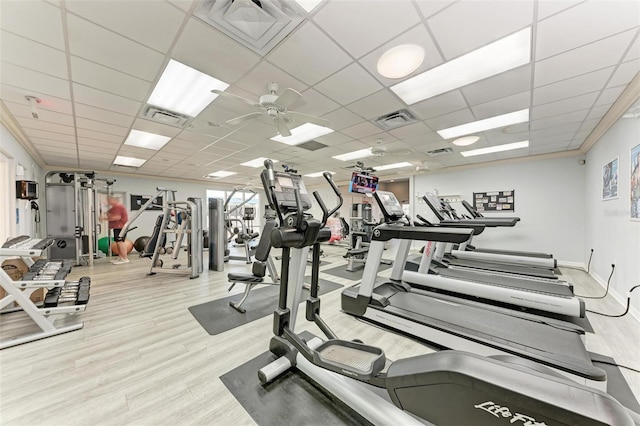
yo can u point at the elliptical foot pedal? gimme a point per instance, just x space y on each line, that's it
350 358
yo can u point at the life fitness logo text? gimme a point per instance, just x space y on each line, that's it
504 412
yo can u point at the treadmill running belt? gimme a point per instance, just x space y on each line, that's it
514 253
501 267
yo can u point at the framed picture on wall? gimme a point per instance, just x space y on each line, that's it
610 180
634 187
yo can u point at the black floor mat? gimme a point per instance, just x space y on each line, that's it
341 272
289 400
217 316
617 386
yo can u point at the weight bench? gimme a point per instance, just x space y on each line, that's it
261 265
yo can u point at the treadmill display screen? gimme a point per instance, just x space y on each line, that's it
389 204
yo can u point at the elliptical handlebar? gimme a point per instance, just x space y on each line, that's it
271 181
325 212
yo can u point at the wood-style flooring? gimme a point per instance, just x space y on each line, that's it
142 358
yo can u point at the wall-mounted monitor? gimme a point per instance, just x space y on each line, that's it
26 190
363 184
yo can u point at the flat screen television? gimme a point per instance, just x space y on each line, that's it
363 184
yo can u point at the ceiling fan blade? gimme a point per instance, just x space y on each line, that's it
283 129
236 97
244 118
306 118
288 98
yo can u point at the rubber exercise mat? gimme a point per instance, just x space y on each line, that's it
217 316
289 400
341 272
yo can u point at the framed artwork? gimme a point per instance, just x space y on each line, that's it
610 180
634 187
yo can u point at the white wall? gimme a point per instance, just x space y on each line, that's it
609 230
16 157
549 198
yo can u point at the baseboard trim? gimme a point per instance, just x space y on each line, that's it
573 265
622 300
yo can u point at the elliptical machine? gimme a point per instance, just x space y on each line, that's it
447 387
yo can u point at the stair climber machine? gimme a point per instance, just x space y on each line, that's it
443 388
446 214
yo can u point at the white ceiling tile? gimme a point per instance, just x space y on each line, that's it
97 44
580 85
315 103
563 106
431 7
99 99
99 126
624 73
557 120
341 89
439 105
582 60
183 145
559 139
426 140
35 134
609 96
376 105
342 118
469 25
304 43
361 130
256 80
102 149
410 131
417 35
550 7
32 55
19 16
108 80
52 144
29 80
378 20
501 106
598 112
98 114
33 123
214 56
136 20
583 24
92 143
634 50
157 128
452 119
499 86
85 133
24 110
555 131
182 4
16 95
333 139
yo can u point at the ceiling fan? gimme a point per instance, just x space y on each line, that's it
359 167
275 107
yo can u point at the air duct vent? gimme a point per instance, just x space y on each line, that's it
312 145
258 25
439 152
395 119
164 116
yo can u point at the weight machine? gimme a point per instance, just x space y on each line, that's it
181 218
237 228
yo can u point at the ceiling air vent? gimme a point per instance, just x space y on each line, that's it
395 119
312 145
258 25
439 152
164 116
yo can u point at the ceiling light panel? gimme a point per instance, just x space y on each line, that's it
184 90
318 174
303 133
392 166
146 140
495 58
400 61
308 5
128 161
221 174
354 155
497 148
258 162
486 124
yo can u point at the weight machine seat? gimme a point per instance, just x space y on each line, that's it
355 252
244 278
243 237
259 268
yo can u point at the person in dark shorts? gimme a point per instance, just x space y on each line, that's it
117 217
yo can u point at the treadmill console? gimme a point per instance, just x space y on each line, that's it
286 183
389 205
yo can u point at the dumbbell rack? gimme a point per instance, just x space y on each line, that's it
72 297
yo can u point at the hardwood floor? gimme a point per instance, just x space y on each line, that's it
142 358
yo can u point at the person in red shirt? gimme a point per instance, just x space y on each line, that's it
117 217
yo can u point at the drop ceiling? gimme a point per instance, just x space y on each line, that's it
94 64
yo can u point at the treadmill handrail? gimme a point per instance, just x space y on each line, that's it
386 232
490 223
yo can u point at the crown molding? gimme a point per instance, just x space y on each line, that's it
7 119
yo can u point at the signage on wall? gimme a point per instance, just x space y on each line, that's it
495 201
137 201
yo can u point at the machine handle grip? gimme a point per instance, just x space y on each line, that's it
299 209
271 181
336 190
325 212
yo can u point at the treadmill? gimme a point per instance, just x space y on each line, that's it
543 262
458 323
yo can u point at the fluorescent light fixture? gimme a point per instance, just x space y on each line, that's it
221 174
354 155
495 58
258 162
497 148
184 90
303 133
486 124
466 140
318 174
128 161
400 61
308 5
146 140
392 166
